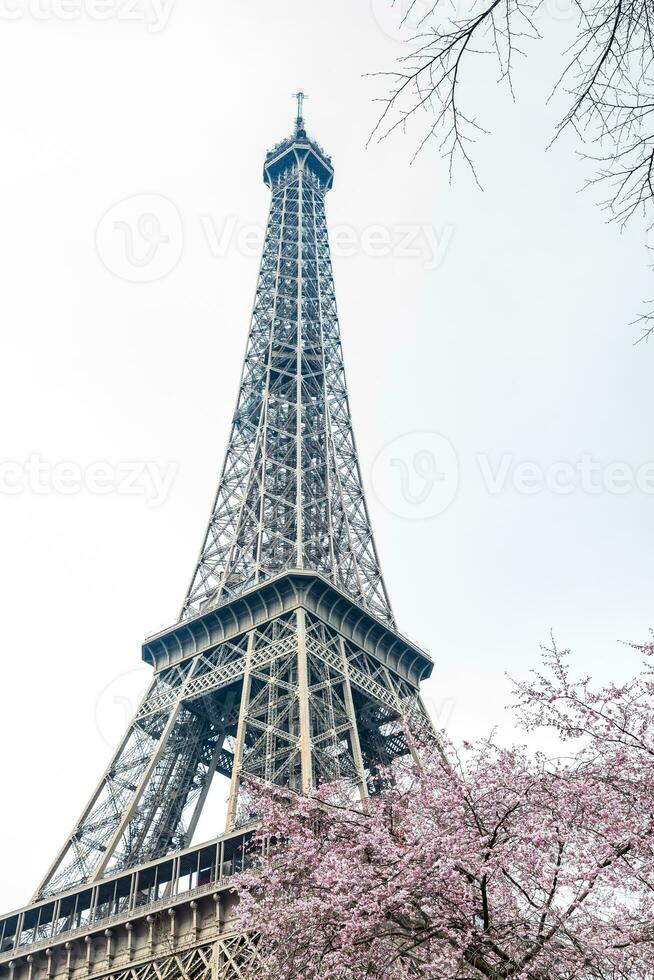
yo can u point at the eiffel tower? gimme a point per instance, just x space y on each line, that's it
285 666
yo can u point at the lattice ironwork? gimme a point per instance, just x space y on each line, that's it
197 963
290 494
231 957
290 702
259 680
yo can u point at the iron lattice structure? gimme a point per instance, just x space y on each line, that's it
285 666
290 494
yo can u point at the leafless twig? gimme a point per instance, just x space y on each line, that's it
607 77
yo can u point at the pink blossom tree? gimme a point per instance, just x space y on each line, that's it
484 862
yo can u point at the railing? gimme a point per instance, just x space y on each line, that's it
193 871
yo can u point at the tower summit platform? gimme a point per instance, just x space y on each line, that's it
297 153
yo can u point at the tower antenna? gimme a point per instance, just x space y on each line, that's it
299 121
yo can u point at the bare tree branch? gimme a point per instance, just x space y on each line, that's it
607 78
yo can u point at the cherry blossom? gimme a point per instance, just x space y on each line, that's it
484 861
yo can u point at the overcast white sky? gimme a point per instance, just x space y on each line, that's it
503 331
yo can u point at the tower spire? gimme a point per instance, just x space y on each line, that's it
300 96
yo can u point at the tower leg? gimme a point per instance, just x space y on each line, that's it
240 737
303 693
